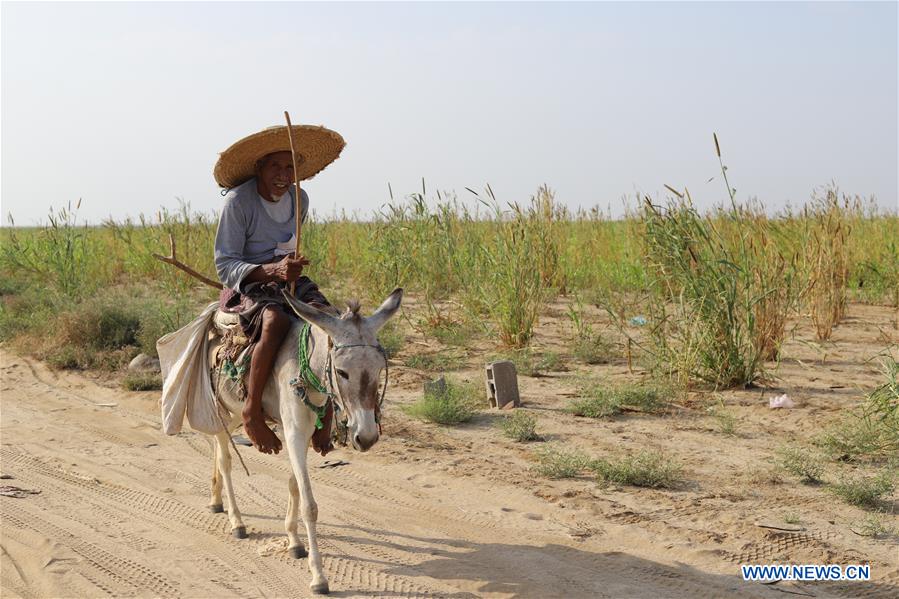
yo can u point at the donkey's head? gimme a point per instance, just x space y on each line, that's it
355 360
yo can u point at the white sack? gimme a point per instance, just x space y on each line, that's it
186 387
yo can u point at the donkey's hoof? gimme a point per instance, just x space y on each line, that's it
240 532
216 508
298 552
320 589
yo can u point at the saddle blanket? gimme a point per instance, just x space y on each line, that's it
186 387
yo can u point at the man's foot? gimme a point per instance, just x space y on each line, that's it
261 435
321 438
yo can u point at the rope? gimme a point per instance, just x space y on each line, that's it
306 374
225 426
303 357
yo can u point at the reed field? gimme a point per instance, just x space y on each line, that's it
715 289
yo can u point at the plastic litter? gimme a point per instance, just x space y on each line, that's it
638 321
241 440
781 401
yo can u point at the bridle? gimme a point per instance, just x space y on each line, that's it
330 391
334 347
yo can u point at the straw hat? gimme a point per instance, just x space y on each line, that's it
317 147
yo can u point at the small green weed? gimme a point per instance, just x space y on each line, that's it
857 437
550 361
792 518
874 526
594 349
600 401
645 469
520 426
866 492
554 462
872 430
597 406
588 346
455 405
800 462
725 420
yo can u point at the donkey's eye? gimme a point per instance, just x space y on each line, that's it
343 374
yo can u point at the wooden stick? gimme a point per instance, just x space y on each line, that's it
297 213
178 264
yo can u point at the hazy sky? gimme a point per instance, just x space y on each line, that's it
127 105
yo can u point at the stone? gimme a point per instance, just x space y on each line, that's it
502 385
144 363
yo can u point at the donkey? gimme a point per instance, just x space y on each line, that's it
345 355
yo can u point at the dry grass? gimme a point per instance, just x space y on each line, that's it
829 262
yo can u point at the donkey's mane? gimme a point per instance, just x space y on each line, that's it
352 310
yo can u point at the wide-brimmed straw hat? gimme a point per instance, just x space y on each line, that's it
316 146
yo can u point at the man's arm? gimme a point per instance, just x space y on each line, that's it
288 269
230 242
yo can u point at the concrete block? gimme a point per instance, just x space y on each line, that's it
437 387
502 385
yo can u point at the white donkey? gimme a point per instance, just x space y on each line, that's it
344 354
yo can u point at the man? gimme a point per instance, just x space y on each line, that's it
254 248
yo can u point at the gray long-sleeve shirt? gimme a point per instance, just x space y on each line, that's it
247 235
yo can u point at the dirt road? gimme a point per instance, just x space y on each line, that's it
121 511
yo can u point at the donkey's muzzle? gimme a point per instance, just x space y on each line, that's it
365 442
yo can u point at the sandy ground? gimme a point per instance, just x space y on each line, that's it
450 512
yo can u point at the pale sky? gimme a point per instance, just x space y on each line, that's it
127 105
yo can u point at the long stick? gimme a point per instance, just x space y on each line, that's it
173 260
298 206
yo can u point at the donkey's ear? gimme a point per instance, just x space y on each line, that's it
322 320
386 310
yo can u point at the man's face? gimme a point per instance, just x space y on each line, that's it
274 175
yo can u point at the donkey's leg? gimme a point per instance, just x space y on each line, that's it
223 454
297 549
215 501
297 444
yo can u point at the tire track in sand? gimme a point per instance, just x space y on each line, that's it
343 571
128 577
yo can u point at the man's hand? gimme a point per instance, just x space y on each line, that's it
287 270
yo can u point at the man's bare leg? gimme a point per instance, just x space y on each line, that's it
275 324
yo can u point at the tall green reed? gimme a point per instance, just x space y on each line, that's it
720 290
58 255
